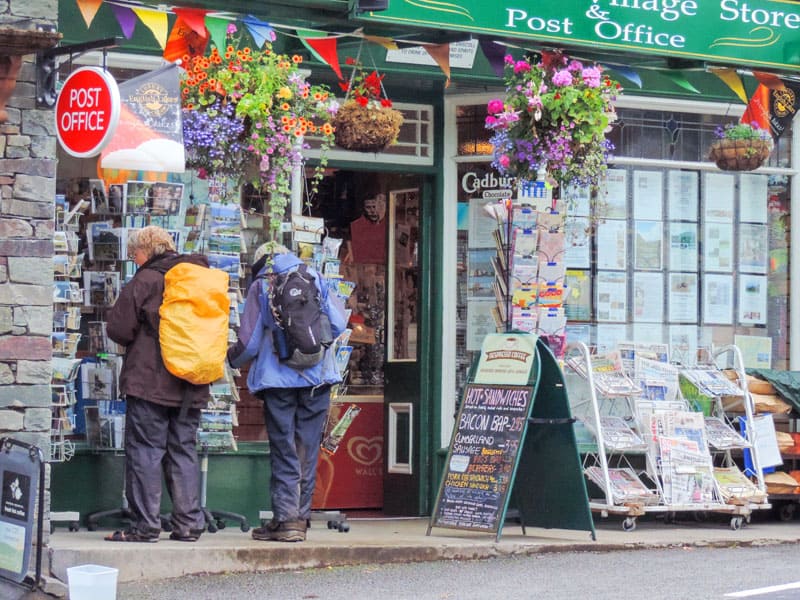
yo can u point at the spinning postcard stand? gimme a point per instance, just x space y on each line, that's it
513 444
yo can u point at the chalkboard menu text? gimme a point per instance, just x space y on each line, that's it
483 456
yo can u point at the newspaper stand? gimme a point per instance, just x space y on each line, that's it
624 459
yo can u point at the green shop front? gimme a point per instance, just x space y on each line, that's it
423 301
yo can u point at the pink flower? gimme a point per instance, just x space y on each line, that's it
521 66
504 161
495 106
231 29
575 65
508 59
490 121
591 77
562 78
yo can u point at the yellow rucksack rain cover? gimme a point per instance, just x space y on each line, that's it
193 332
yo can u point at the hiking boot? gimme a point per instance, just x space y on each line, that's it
281 531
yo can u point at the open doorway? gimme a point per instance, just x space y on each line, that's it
376 217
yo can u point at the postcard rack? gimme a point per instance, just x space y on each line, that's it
646 449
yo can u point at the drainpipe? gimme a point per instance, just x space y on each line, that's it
794 257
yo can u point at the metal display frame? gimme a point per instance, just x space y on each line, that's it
596 405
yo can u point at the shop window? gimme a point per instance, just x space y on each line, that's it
680 254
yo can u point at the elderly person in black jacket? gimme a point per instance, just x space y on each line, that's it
157 437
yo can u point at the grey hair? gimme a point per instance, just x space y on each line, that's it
152 240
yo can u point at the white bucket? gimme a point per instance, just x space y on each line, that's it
92 582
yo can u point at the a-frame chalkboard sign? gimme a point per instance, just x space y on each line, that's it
513 445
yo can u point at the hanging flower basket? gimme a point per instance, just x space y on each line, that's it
366 128
740 155
366 121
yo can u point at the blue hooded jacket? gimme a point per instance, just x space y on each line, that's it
255 336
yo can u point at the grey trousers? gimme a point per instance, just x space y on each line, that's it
158 442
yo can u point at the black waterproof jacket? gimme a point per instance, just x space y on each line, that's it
133 322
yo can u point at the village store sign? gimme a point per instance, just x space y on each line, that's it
754 32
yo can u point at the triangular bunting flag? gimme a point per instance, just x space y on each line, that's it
89 9
218 31
769 80
757 111
494 53
194 18
261 31
680 80
324 48
185 40
126 19
386 42
731 78
441 54
626 72
155 21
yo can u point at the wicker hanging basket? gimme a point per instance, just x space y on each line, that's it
740 155
366 128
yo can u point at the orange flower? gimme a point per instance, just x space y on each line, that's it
327 129
285 106
297 59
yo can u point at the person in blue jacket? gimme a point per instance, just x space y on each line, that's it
295 402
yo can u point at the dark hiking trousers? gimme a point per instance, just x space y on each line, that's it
157 441
295 418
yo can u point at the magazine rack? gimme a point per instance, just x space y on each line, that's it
653 454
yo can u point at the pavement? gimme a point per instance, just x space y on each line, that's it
388 540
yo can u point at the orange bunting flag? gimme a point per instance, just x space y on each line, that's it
769 80
188 36
89 9
325 50
155 21
441 54
757 111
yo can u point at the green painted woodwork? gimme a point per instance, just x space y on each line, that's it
413 83
92 481
550 489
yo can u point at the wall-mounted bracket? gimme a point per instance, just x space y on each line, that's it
47 66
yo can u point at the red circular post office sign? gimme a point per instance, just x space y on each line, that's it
87 111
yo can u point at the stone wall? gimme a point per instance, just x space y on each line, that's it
27 195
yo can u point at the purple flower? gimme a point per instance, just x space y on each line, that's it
231 29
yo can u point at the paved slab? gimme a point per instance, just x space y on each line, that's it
386 540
